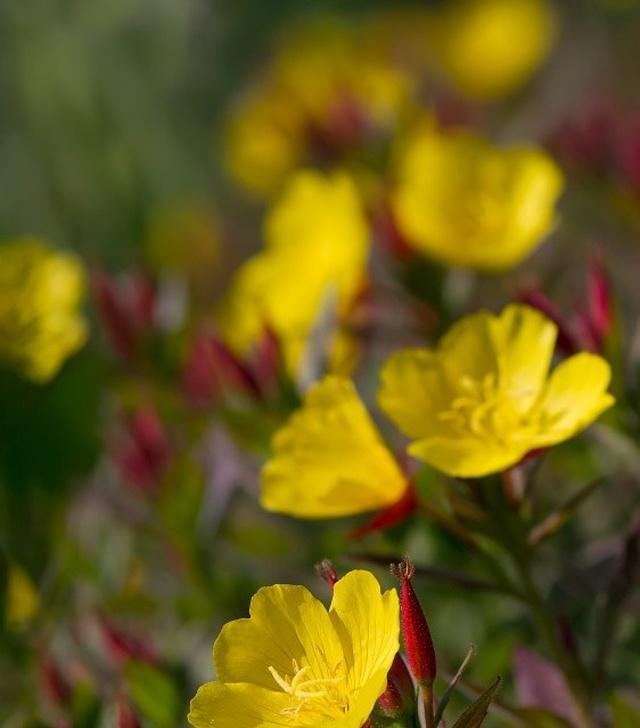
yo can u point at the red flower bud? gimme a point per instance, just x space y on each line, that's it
415 630
54 685
145 454
122 646
399 696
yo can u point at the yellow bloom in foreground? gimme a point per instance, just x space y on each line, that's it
489 48
293 663
40 293
317 245
484 397
22 599
466 202
329 459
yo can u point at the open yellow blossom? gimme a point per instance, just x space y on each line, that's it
322 93
293 663
484 397
329 459
489 48
315 257
40 293
466 202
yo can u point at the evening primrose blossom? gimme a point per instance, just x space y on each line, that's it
315 255
40 294
323 93
484 397
329 459
293 663
489 48
465 202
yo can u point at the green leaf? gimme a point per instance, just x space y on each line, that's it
153 694
474 715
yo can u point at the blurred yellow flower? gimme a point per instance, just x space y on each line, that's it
40 293
329 459
489 48
22 601
315 257
484 397
323 92
295 663
466 202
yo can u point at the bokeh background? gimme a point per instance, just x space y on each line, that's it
112 145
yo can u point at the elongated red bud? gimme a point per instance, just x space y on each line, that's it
393 515
415 630
125 715
325 570
400 696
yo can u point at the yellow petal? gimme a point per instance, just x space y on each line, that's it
238 705
575 396
287 623
413 390
368 624
329 459
467 457
524 341
22 598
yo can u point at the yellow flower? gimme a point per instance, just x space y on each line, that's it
484 397
40 293
329 459
489 48
322 93
465 202
22 599
293 663
314 261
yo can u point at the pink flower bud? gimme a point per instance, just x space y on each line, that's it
125 716
327 573
418 644
144 455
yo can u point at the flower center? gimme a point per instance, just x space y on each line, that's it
312 695
485 410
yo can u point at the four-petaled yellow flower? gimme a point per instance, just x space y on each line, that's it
489 48
484 397
465 202
313 265
40 293
293 663
329 459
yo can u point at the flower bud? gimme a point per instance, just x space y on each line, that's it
393 515
399 695
325 570
415 630
126 717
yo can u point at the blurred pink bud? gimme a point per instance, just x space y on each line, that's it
628 153
416 635
145 453
125 715
586 142
388 235
391 516
122 646
599 300
53 684
327 573
343 127
126 306
211 369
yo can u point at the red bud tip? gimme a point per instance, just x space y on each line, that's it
415 630
325 570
